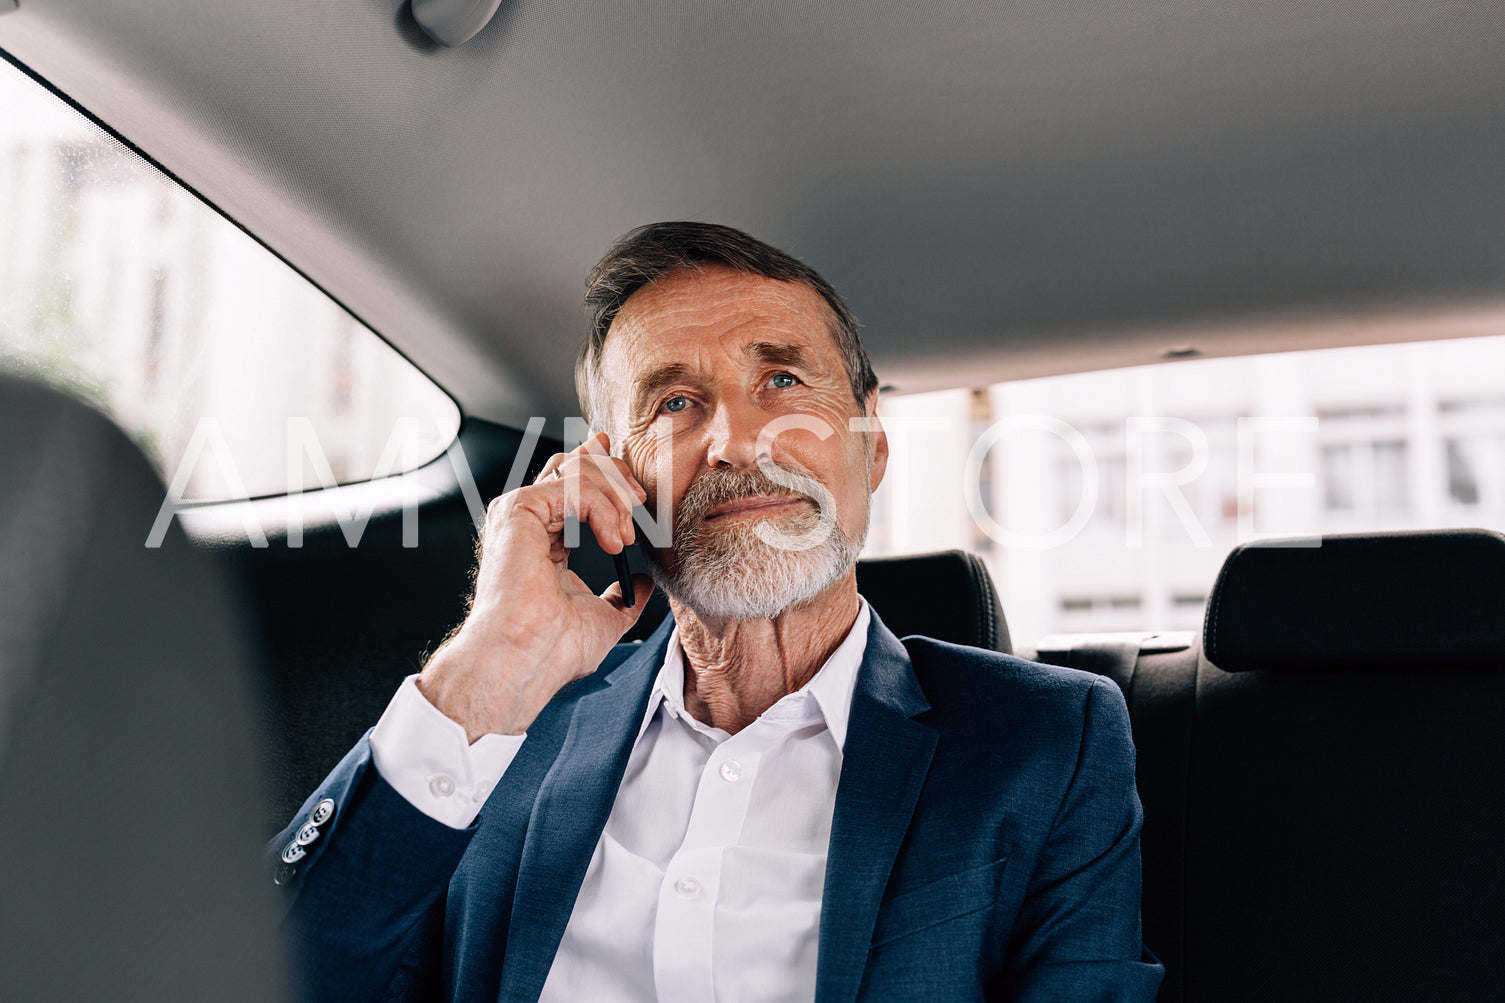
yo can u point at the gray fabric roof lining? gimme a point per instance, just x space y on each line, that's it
997 189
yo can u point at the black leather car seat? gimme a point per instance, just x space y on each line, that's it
1321 776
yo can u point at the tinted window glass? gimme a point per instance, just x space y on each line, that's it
219 359
1386 437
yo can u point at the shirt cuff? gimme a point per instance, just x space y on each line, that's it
424 756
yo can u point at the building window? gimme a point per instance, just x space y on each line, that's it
1100 612
1474 445
1365 469
1463 478
1108 443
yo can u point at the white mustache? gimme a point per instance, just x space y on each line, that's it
715 488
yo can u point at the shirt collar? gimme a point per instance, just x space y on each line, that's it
831 686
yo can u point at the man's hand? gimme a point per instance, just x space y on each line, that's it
533 625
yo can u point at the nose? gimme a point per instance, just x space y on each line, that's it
732 434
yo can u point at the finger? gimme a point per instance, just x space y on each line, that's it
632 481
586 504
587 495
551 466
613 470
598 444
603 514
586 477
642 588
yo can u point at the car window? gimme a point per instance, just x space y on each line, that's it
1107 501
218 358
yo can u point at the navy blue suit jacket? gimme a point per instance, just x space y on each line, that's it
985 843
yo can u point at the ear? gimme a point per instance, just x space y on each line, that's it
877 445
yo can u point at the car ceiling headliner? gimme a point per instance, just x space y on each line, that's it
999 190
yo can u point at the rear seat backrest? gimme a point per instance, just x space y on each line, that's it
1322 791
1344 803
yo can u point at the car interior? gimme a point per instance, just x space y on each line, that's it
1000 192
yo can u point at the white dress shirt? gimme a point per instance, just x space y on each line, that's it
706 882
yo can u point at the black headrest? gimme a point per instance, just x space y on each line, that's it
947 595
1384 600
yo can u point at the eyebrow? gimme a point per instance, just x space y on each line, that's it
650 385
772 354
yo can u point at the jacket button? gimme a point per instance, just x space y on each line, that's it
322 813
293 852
285 873
307 833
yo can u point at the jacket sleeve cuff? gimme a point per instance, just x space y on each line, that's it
425 757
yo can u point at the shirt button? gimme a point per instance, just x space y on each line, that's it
731 771
442 786
480 792
687 887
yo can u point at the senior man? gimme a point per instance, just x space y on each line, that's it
772 798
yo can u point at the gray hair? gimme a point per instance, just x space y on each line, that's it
649 253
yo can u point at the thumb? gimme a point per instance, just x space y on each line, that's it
642 589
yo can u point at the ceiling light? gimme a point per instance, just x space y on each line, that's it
452 22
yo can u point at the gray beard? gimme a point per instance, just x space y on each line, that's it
753 569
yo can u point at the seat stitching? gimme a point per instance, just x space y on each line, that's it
985 605
1210 627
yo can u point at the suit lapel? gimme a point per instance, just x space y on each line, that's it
884 763
571 809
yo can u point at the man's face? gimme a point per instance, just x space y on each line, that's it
696 367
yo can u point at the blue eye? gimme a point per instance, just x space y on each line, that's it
674 404
783 381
